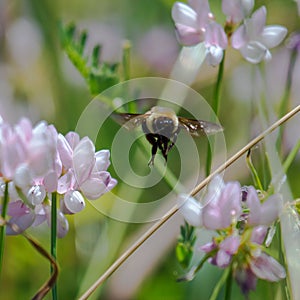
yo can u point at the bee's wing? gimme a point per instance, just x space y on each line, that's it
129 121
199 127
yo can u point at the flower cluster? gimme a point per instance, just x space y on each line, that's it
38 161
195 24
242 221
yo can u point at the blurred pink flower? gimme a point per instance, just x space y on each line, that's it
237 10
195 24
253 39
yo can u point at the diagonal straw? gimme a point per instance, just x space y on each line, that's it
175 208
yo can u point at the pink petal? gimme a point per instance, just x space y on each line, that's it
51 182
267 268
259 234
208 247
239 37
65 183
73 139
230 203
83 159
254 206
202 10
190 209
17 208
65 151
13 154
257 22
231 244
223 259
24 129
270 209
112 183
212 218
188 36
22 222
215 35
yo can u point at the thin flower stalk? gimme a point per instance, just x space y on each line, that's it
175 208
2 226
53 239
216 108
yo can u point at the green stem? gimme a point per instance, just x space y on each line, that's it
221 282
228 285
253 171
2 228
53 238
216 108
288 161
284 104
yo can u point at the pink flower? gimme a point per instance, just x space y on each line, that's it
191 21
86 170
194 24
37 161
253 39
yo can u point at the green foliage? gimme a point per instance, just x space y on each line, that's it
185 246
98 75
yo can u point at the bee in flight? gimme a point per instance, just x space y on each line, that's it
161 126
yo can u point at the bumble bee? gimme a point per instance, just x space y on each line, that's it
161 126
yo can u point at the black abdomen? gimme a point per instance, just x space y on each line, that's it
160 125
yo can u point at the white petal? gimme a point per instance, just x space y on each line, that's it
247 6
74 201
190 209
62 225
254 52
214 55
93 188
36 194
273 35
23 177
183 14
102 160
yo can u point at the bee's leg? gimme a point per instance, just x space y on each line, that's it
173 140
164 147
153 141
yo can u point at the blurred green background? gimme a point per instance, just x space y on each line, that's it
38 81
